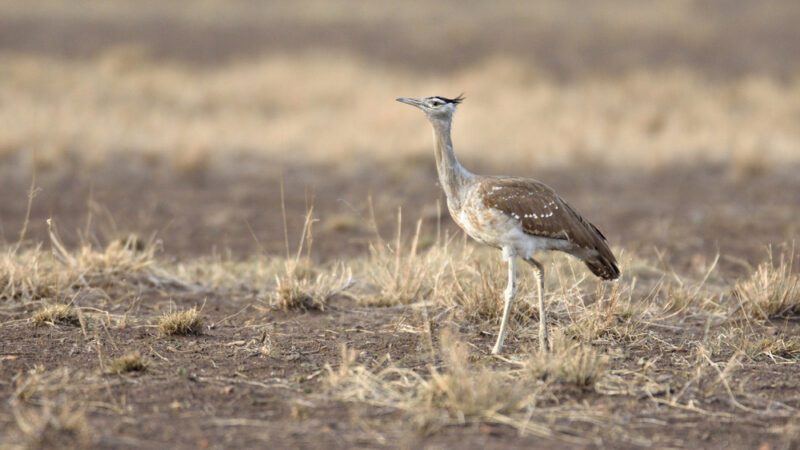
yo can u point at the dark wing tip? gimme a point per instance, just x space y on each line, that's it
604 267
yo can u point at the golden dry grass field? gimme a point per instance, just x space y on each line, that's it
219 230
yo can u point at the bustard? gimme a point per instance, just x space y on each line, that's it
520 216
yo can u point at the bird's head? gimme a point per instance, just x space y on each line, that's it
436 107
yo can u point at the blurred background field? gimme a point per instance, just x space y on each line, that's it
116 105
549 83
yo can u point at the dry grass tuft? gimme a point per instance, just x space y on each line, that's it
463 390
774 347
772 291
44 412
391 386
466 391
62 425
33 274
301 287
459 392
291 294
304 290
122 259
126 262
30 274
614 316
181 323
400 276
568 362
679 299
129 362
56 315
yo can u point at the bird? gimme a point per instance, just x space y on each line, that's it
519 216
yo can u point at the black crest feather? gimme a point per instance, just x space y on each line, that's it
456 100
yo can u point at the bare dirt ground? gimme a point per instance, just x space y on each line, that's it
362 340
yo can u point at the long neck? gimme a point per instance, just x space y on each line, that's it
452 175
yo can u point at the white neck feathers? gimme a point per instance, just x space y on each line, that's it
452 175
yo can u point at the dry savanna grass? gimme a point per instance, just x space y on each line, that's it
55 315
746 123
55 425
34 274
594 327
636 338
29 274
46 411
129 362
463 279
181 323
772 291
775 347
614 315
568 363
466 390
299 286
458 392
400 272
301 289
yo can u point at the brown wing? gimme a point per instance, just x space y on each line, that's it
541 212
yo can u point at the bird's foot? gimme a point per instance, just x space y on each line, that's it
498 347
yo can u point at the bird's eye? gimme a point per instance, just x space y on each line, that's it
436 104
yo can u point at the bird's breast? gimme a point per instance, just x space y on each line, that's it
485 225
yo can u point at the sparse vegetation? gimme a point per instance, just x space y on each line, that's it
460 391
55 315
129 362
453 380
784 348
307 291
399 276
55 426
181 323
613 316
772 291
568 362
467 391
299 287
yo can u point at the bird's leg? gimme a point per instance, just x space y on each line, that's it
539 273
508 297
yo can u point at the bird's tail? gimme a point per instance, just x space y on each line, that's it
604 265
601 261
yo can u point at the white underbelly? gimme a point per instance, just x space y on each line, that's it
501 231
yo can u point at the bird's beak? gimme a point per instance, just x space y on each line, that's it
410 101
